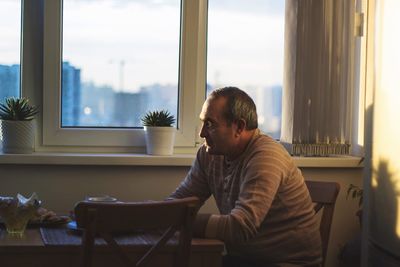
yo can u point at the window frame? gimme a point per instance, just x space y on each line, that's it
191 86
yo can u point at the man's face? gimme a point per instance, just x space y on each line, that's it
219 136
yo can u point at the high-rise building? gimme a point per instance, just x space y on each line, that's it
268 100
71 95
276 95
9 81
128 109
97 105
270 110
161 97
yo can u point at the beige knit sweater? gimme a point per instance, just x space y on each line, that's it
266 214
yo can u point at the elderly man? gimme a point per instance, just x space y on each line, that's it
266 214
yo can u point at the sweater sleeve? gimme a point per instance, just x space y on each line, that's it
195 183
261 177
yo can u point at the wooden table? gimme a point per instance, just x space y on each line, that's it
30 250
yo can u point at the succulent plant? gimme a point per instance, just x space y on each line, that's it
158 118
17 109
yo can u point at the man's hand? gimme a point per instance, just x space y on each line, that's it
200 225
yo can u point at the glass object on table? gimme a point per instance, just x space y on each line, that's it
16 212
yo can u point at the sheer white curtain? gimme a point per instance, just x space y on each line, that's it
318 78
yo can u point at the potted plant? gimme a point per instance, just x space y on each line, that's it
17 125
356 193
350 254
159 132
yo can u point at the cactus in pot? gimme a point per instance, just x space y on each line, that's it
159 132
17 125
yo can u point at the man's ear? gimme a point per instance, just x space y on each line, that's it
241 126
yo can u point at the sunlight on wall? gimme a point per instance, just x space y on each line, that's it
386 133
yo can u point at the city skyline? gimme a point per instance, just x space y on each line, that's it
88 105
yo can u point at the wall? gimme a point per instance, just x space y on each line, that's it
61 186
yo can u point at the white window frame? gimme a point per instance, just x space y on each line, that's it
191 85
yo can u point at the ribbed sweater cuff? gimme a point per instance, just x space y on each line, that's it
212 226
200 225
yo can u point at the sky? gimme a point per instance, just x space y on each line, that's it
10 27
130 43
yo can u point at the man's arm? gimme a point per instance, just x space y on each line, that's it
196 182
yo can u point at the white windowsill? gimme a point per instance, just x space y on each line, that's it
126 159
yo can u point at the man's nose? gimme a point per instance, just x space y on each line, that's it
203 131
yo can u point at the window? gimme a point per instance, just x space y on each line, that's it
10 29
247 33
245 49
113 70
120 59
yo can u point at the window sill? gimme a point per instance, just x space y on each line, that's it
51 158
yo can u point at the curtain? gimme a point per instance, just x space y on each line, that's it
318 77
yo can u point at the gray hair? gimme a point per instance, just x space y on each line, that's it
239 106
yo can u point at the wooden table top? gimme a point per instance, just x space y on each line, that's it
33 238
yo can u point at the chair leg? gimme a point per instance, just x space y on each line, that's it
88 239
87 251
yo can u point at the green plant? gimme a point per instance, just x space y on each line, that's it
17 109
356 193
158 118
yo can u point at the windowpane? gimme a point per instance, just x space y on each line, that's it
120 59
10 32
245 49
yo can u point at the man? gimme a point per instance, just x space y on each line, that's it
266 214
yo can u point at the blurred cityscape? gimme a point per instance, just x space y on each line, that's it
86 104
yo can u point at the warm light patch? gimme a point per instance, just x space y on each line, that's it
374 182
386 133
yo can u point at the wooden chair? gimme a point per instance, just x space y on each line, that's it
324 195
106 219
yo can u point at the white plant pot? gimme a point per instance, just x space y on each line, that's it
159 140
18 136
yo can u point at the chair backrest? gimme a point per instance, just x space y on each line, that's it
106 219
324 195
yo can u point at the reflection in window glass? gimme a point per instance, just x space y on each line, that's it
10 32
245 49
120 59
